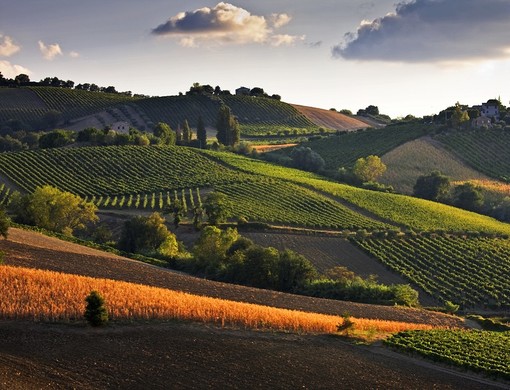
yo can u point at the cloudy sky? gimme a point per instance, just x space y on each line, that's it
407 57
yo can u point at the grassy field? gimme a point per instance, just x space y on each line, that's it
420 157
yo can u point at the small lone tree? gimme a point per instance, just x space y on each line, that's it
95 311
201 133
227 126
216 207
435 186
368 169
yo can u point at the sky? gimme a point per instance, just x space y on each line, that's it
406 57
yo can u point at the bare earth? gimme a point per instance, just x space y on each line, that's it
330 119
178 355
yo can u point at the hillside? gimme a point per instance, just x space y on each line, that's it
331 119
420 157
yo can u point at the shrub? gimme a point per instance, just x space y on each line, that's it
95 311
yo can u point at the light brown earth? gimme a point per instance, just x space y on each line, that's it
331 119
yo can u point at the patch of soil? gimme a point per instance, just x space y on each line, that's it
192 356
34 250
330 119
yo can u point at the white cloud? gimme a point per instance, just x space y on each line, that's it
49 52
225 24
285 39
74 54
7 46
433 31
9 70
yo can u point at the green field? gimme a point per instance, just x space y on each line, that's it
402 210
486 151
343 150
479 351
472 272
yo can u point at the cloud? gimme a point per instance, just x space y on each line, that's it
225 24
433 31
9 70
51 51
74 54
7 46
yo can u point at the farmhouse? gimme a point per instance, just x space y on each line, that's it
490 109
243 91
481 121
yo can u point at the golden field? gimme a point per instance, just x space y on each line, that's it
51 296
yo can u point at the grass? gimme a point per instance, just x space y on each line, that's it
51 296
420 157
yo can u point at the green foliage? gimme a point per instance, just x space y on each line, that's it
164 133
368 169
468 196
434 186
479 351
56 139
306 159
5 224
148 236
50 208
451 307
201 133
95 310
228 131
469 271
215 206
186 132
210 251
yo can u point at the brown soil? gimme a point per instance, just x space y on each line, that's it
330 119
178 355
271 148
188 356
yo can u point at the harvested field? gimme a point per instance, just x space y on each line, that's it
33 250
186 356
330 119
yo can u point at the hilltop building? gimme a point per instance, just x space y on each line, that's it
243 91
120 127
490 109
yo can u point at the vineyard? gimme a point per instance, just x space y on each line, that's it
472 272
260 116
20 104
406 211
74 103
343 150
480 351
485 151
115 170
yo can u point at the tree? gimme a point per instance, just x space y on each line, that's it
434 186
305 158
459 117
210 250
228 130
468 196
49 208
164 133
216 207
5 224
294 271
368 169
56 139
186 132
22 79
201 133
149 236
95 310
261 267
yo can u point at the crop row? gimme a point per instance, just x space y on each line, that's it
343 150
480 351
75 103
276 201
468 271
403 210
472 147
115 170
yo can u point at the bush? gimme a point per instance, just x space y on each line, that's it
95 311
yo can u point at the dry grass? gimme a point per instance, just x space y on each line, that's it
51 296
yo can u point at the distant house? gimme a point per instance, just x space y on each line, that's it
120 127
490 109
481 121
243 91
